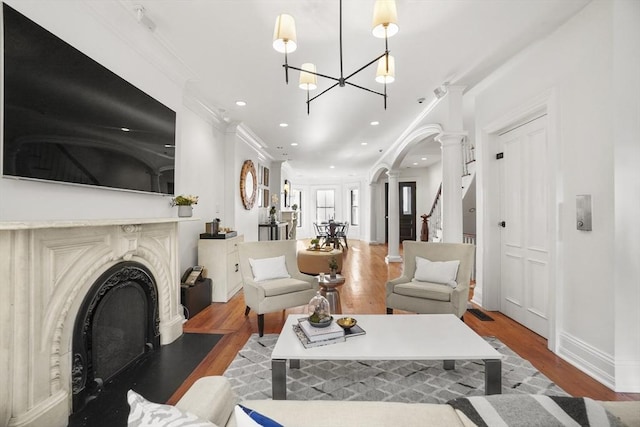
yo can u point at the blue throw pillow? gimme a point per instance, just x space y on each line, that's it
246 417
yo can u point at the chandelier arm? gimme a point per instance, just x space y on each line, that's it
314 73
341 72
367 89
324 91
365 66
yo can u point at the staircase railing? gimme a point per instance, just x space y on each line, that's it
434 217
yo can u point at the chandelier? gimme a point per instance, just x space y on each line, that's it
385 25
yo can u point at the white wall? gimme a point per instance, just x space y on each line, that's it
200 174
575 63
203 175
27 200
626 134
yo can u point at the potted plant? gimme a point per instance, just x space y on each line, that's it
315 243
185 204
333 266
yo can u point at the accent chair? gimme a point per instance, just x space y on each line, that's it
424 286
271 279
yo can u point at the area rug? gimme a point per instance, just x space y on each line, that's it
392 381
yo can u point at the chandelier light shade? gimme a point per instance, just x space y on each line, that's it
308 78
385 25
284 34
386 69
385 19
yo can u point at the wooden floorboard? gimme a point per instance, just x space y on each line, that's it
364 292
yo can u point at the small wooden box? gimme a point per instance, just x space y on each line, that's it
196 298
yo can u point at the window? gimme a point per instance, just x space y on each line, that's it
355 206
325 205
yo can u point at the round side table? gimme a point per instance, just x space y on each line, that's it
328 290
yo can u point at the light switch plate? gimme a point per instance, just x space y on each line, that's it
583 212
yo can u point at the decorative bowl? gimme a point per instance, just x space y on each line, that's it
346 322
322 324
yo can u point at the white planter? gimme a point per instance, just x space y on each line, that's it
185 211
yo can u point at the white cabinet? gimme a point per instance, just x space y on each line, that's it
220 258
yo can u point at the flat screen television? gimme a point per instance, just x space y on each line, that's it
69 119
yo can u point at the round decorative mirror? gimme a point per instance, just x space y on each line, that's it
248 184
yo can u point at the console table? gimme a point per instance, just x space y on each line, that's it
275 231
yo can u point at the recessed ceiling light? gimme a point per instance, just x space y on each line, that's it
283 125
125 129
241 103
375 123
294 144
332 167
415 164
424 158
363 143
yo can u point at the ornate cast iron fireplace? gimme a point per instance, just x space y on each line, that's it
118 323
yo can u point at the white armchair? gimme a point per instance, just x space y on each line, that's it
266 296
410 294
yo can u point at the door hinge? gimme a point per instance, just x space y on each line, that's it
499 156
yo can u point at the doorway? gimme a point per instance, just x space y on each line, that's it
406 210
525 236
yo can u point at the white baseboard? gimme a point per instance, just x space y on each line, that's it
593 362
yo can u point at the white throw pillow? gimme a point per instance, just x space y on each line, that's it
443 272
148 414
269 268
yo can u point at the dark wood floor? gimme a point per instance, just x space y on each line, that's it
364 292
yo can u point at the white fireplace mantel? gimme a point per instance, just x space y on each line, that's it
46 269
33 225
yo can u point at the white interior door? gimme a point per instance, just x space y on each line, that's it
525 238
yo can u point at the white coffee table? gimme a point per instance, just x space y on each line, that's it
392 337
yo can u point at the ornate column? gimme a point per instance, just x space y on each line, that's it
393 251
451 144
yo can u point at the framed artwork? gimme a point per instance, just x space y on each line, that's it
260 172
265 198
265 178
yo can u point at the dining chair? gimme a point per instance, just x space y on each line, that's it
341 233
321 231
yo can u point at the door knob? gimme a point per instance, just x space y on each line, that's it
502 224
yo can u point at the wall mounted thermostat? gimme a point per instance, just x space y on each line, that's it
583 212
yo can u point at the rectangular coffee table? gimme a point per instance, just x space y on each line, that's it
392 337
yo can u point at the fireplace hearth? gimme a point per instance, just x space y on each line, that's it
117 325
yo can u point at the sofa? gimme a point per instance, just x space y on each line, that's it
211 398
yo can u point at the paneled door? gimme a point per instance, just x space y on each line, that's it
407 196
407 211
526 236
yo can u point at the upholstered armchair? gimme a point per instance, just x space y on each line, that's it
271 279
432 285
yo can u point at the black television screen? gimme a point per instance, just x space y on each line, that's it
69 119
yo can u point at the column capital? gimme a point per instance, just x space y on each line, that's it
449 138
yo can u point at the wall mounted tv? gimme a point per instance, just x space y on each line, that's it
69 119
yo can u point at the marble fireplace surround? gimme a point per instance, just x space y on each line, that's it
46 269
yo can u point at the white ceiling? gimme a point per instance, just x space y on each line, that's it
226 44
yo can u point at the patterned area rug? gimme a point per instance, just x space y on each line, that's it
394 381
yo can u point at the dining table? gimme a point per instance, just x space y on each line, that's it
333 230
